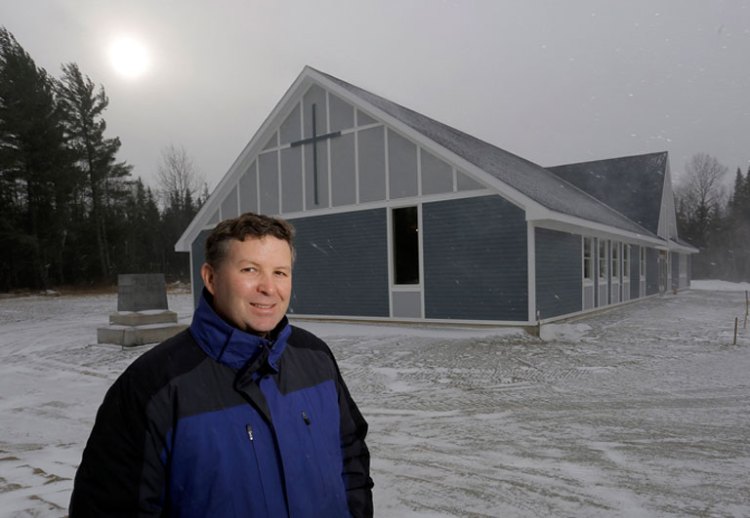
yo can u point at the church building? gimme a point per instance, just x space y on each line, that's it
399 217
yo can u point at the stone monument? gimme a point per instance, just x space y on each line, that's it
142 315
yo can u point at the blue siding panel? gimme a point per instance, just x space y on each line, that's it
475 264
559 277
342 265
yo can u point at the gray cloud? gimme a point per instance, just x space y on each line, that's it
555 82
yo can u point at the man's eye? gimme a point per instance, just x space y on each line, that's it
249 269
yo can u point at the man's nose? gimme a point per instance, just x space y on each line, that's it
266 284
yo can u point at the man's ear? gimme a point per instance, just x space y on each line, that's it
207 274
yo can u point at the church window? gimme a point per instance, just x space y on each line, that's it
588 260
626 261
615 270
406 245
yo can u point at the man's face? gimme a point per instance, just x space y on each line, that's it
252 285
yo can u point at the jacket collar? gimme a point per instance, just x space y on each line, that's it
231 346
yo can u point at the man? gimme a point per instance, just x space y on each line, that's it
240 415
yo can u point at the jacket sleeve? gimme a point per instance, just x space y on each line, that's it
355 454
120 473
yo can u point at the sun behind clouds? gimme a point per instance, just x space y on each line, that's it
129 57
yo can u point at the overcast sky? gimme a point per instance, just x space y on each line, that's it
552 81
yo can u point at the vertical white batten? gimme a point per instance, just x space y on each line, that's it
389 246
356 157
420 244
328 147
387 167
257 183
278 178
531 266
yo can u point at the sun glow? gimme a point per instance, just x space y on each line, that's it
129 57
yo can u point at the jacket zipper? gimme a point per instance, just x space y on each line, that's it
251 437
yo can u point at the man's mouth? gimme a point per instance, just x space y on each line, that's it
262 306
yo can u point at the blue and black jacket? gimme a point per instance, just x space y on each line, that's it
216 422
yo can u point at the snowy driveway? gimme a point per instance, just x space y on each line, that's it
640 411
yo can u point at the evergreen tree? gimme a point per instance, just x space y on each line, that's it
83 106
737 201
739 238
36 177
139 246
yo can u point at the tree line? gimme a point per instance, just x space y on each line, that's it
715 218
70 211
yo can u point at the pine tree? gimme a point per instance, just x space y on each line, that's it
36 180
84 105
139 246
736 202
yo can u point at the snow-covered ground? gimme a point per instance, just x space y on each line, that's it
643 410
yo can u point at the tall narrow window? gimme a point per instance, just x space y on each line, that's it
615 260
602 259
406 245
588 260
643 262
626 261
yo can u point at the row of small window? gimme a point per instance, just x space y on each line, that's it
609 254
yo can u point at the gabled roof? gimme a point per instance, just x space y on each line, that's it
631 185
526 177
539 191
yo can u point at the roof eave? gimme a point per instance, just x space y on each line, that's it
565 222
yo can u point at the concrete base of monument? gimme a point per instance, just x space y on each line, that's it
142 318
130 328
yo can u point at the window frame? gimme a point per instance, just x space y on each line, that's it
614 254
588 259
642 261
626 261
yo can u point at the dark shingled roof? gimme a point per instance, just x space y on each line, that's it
631 185
532 180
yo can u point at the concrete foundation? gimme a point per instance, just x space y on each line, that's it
137 335
128 328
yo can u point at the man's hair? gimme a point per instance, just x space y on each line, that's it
254 226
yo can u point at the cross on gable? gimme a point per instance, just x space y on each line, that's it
314 141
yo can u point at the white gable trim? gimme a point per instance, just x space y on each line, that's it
535 212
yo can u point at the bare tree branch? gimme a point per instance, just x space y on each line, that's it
176 176
702 186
